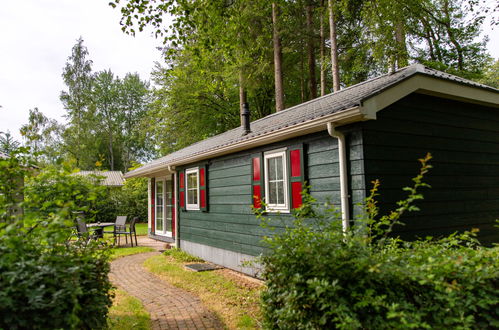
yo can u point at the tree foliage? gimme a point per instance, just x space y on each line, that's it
47 282
105 119
7 143
43 136
319 276
220 51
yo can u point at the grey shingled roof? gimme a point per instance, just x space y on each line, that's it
111 178
314 109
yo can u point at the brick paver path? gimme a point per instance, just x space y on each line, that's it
170 307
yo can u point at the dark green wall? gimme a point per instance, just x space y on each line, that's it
230 223
464 141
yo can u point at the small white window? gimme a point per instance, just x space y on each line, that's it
192 188
276 181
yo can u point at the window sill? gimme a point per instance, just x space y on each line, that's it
271 210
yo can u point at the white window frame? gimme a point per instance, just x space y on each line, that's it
187 172
163 213
273 154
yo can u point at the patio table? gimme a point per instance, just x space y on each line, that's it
99 227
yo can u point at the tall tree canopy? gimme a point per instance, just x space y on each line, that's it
44 137
271 53
106 119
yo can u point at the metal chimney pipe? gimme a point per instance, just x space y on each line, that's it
245 118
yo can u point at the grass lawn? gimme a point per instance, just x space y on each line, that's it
127 312
141 229
234 299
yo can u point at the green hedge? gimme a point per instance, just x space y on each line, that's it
52 286
46 280
319 277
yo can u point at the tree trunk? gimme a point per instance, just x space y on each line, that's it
302 78
111 156
279 91
242 96
312 82
452 37
322 51
334 48
402 56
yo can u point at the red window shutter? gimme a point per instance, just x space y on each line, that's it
256 180
203 188
296 189
257 197
297 175
181 181
181 190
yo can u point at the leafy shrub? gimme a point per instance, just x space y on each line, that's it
321 278
131 199
54 190
47 282
52 286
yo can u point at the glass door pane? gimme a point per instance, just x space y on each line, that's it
160 204
168 207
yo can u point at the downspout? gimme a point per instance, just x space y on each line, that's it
343 174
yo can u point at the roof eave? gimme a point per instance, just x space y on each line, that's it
426 84
339 118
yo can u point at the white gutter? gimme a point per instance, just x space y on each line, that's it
343 174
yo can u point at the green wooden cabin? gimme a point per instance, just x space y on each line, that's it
201 196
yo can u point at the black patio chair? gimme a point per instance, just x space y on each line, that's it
133 231
82 231
120 229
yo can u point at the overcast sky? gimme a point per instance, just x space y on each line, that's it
36 37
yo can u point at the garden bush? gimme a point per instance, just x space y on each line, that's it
47 281
319 277
131 199
49 285
54 190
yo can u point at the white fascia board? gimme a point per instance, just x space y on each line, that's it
431 86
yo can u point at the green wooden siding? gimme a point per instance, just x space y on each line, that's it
464 141
230 223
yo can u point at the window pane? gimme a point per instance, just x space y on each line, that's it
168 192
272 193
159 218
280 192
271 163
192 180
159 205
192 196
279 168
159 193
168 222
